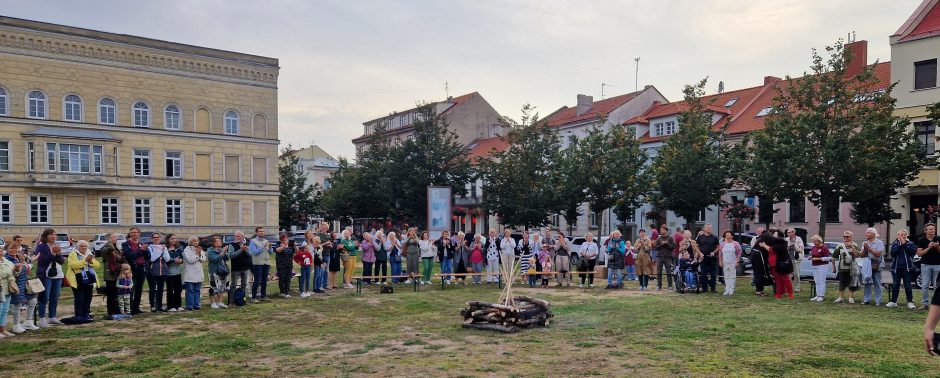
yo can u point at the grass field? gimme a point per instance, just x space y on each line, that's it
596 332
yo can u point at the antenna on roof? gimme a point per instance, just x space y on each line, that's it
602 89
721 87
446 92
853 36
636 76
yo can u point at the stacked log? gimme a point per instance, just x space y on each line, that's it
528 312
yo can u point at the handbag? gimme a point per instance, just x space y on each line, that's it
222 270
34 286
12 288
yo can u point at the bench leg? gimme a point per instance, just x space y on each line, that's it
358 286
415 282
442 283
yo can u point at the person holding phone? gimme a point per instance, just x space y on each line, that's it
902 251
284 261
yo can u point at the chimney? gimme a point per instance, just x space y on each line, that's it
858 58
770 79
585 103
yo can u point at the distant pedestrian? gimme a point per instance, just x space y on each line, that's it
644 262
871 261
928 248
730 255
820 258
902 268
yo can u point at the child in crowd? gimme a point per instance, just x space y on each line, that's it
532 270
629 261
303 258
545 258
319 267
125 287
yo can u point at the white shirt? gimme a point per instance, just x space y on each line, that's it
508 246
729 254
425 247
589 250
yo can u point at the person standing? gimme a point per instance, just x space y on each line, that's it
157 267
237 251
491 246
113 259
461 256
644 262
284 261
348 248
368 257
329 255
445 254
708 244
928 248
260 250
820 258
394 256
381 258
902 267
477 257
82 278
193 257
589 252
795 248
412 252
507 252
616 252
8 273
135 254
780 263
872 259
174 276
845 255
563 259
218 272
665 246
730 255
427 257
21 260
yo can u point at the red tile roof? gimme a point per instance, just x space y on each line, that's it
599 109
456 101
924 22
483 148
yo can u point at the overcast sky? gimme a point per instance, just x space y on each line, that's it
345 62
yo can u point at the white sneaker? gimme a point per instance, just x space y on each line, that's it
911 305
171 310
19 329
838 300
29 326
581 285
851 300
223 305
43 322
214 305
56 320
891 304
408 281
287 296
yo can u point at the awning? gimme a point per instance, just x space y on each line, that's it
55 132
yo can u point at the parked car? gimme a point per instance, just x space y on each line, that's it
65 242
806 266
100 239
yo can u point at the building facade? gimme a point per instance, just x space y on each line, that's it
102 131
317 165
915 48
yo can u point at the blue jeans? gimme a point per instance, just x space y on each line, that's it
260 276
928 276
898 276
447 266
50 296
304 279
689 277
319 278
192 294
615 272
396 269
533 280
876 285
4 309
477 268
631 272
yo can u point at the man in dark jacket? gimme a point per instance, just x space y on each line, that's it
135 253
664 247
708 244
241 262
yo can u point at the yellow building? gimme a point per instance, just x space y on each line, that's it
102 131
915 48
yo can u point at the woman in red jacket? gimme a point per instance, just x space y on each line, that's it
780 264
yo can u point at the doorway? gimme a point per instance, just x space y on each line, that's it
919 217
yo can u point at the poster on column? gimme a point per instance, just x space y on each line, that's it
439 209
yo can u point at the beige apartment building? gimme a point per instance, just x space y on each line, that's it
102 131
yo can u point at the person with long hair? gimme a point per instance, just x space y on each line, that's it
219 272
730 256
427 257
50 271
781 266
284 261
159 257
411 250
174 274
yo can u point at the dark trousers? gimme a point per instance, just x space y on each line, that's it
110 291
82 301
174 291
709 274
367 271
285 271
156 291
260 276
898 276
381 266
590 277
665 266
139 277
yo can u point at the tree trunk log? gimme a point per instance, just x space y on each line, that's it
492 327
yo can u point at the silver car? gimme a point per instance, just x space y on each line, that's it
101 239
806 266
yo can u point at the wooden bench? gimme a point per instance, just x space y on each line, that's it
359 280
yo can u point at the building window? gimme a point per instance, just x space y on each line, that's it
171 117
832 210
72 108
174 165
926 136
593 217
231 123
925 74
765 111
765 210
731 102
665 128
6 208
556 220
74 158
141 114
36 103
4 156
38 209
141 162
326 183
3 102
142 210
701 216
30 157
174 211
106 111
798 210
109 210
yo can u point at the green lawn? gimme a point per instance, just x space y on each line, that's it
595 332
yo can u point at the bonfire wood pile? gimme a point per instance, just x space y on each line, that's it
527 312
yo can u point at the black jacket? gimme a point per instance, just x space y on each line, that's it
445 250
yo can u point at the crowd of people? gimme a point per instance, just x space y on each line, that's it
31 279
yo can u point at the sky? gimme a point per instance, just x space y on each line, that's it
347 62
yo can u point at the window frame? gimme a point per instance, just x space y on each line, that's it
44 101
113 210
790 210
4 101
838 216
178 211
113 108
6 205
928 136
55 156
765 111
145 112
33 200
225 122
592 219
178 164
917 67
30 156
9 154
66 104
140 207
179 117
137 154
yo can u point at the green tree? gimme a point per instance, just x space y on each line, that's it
691 169
298 200
627 166
569 188
833 137
518 181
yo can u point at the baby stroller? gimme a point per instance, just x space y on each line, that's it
686 278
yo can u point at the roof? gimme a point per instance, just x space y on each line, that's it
455 101
598 109
56 132
312 151
923 23
483 148
671 108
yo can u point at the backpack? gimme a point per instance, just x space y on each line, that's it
238 297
